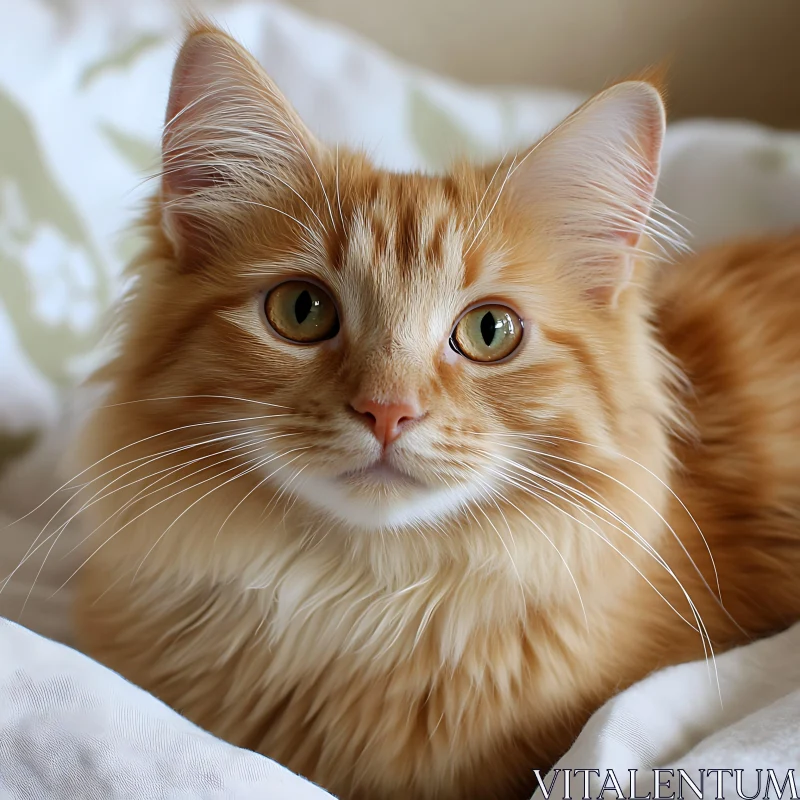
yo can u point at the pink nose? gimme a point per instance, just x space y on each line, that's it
386 419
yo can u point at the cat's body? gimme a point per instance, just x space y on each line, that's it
441 650
518 693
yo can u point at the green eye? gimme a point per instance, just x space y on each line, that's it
487 333
302 312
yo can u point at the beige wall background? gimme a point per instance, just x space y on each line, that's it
726 58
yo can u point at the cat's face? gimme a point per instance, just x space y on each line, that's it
397 345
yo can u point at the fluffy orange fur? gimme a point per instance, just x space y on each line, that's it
441 632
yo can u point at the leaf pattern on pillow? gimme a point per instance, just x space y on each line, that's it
12 446
141 154
51 278
120 60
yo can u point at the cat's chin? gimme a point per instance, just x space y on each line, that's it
382 497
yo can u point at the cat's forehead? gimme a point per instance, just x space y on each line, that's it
403 234
401 251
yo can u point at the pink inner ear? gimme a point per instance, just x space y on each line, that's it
191 97
205 60
649 142
228 131
182 180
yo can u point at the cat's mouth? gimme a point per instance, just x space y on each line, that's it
379 473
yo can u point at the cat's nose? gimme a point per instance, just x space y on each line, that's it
386 420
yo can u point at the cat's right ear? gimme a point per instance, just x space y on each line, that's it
229 135
591 185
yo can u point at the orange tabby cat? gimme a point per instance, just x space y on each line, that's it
387 486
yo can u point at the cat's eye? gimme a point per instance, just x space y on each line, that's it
487 333
302 312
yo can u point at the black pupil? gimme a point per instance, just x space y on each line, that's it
488 328
302 306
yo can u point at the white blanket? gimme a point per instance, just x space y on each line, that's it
681 717
71 729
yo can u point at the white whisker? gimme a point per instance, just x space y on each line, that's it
638 496
56 534
483 196
553 545
496 200
338 195
138 516
700 627
188 508
134 444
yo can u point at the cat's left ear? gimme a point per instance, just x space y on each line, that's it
230 139
591 184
